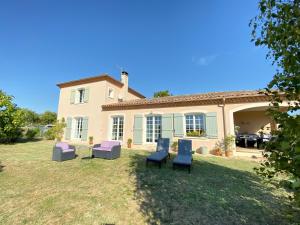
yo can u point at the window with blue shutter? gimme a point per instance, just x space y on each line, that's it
68 128
195 124
138 130
211 125
167 126
178 125
72 96
86 95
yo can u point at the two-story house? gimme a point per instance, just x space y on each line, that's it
108 109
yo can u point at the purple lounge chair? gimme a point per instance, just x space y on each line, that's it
107 150
63 151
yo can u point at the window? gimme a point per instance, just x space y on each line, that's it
195 125
111 93
79 96
153 128
78 128
117 128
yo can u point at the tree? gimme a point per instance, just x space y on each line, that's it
57 131
11 119
277 27
48 118
30 117
159 94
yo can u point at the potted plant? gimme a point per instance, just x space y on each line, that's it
199 133
174 146
218 149
228 142
129 142
91 140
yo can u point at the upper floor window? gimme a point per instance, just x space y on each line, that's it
80 96
153 128
111 93
195 124
117 128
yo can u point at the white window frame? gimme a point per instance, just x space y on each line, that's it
194 122
77 128
111 93
154 132
79 96
118 137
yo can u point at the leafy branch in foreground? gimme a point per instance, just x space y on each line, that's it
277 27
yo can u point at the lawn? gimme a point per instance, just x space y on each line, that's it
36 190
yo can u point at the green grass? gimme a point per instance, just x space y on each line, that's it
36 190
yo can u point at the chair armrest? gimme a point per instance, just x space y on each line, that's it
59 149
96 145
72 147
116 148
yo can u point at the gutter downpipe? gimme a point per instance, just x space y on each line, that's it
224 122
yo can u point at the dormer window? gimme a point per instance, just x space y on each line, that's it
111 93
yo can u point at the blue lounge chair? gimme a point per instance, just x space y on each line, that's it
184 156
162 152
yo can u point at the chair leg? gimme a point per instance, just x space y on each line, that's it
173 167
189 169
159 165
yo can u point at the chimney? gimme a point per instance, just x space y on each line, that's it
124 90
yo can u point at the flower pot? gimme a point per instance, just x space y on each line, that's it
217 152
129 145
228 153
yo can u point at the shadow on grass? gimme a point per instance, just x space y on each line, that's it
1 167
23 140
211 194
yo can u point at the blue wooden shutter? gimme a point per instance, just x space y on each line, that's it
85 123
86 95
68 128
178 125
72 97
138 130
167 126
211 125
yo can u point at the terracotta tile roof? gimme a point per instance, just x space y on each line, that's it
195 99
102 77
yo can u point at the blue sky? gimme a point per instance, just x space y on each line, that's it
183 46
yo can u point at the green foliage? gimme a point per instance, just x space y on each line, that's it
199 133
159 94
277 27
229 142
174 145
48 118
30 117
11 119
32 133
57 131
129 141
49 134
